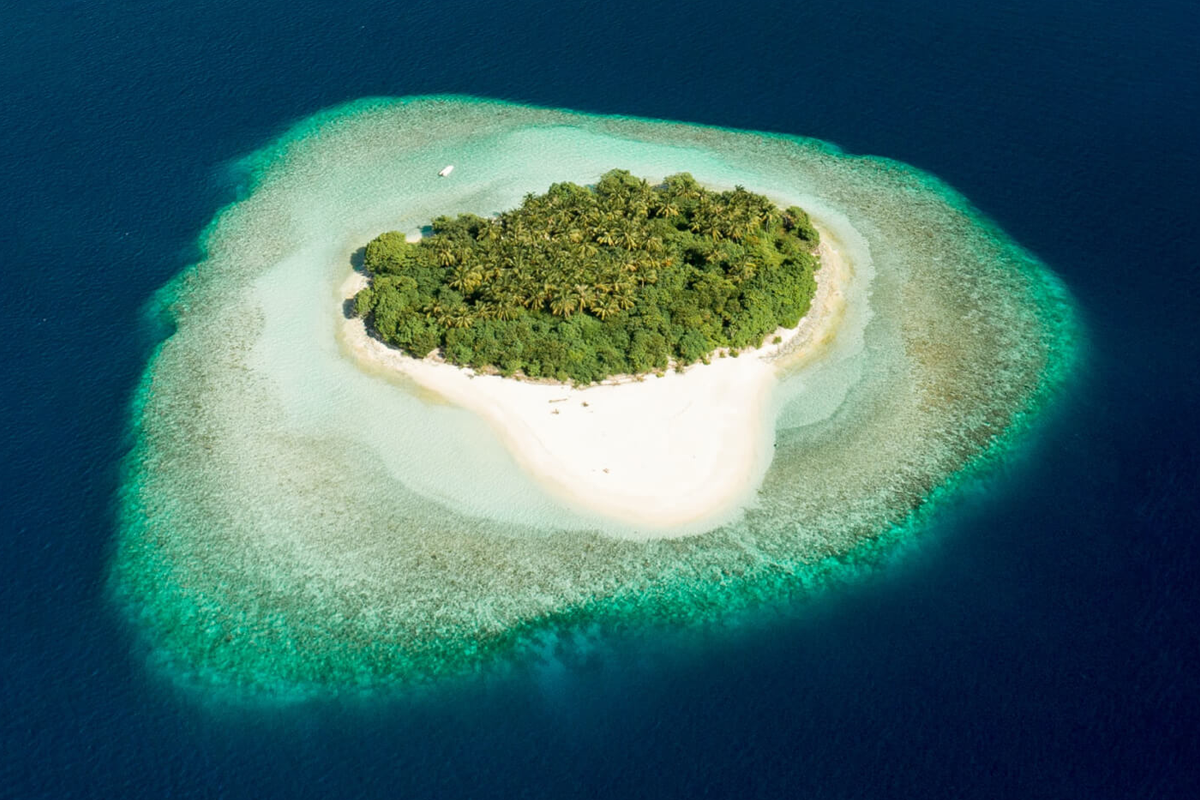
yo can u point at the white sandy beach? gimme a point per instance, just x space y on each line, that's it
666 455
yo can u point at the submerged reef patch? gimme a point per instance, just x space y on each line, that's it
292 524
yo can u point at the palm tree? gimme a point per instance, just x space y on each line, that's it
563 304
435 311
465 279
609 307
460 318
629 237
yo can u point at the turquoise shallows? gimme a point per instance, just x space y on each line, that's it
291 525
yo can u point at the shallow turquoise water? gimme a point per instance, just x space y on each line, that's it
291 525
1036 636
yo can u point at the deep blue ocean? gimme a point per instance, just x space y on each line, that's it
1041 640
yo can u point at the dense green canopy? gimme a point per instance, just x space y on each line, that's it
582 283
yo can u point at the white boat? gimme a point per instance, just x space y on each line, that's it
446 170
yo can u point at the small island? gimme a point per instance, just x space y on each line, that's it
583 283
308 510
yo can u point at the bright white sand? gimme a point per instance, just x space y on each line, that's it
665 454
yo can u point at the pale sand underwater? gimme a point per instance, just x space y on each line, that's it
668 455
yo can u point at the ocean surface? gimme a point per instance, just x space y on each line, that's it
1040 639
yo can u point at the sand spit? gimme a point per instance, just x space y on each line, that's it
669 455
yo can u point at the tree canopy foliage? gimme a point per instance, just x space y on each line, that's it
582 283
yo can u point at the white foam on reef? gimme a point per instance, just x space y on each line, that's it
294 518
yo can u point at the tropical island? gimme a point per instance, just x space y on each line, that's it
582 283
305 508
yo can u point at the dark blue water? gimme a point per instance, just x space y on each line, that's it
1042 640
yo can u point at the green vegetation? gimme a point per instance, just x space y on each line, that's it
582 283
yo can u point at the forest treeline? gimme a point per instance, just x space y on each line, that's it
582 283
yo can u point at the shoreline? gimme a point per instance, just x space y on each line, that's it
285 491
666 456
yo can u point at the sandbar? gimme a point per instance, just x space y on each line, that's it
667 455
